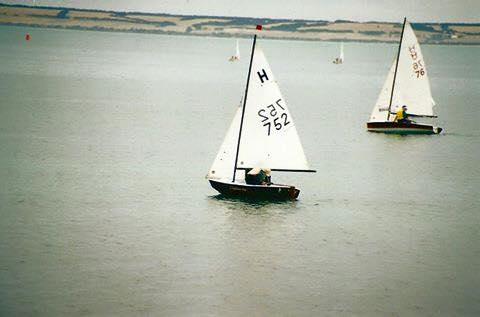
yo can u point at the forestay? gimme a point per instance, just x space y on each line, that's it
412 87
269 136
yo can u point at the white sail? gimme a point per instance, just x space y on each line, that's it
269 137
412 87
380 111
341 53
222 167
237 54
235 57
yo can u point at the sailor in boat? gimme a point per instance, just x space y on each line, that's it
402 116
258 176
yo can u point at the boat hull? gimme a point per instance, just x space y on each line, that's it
272 192
402 128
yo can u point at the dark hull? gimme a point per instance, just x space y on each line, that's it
402 128
256 192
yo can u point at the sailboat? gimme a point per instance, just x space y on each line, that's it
339 60
262 135
406 84
235 57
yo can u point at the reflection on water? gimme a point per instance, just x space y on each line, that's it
254 207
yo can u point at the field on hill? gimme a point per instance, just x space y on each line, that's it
340 30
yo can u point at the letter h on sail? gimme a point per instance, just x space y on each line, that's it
262 75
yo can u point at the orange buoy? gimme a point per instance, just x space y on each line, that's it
27 37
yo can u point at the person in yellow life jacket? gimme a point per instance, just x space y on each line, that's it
402 116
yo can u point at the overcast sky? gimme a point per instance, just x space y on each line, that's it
357 10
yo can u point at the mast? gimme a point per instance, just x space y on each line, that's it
243 108
396 67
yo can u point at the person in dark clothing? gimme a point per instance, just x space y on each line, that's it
258 176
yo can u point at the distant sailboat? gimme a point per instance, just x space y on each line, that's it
340 59
261 136
235 57
406 84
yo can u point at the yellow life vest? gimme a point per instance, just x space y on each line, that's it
399 115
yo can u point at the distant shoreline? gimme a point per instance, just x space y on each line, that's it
227 27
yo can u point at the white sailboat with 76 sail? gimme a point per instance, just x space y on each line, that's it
407 86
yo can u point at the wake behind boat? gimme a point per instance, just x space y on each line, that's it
405 93
262 138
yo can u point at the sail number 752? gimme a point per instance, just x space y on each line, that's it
272 117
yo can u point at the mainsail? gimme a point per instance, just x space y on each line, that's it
269 138
411 88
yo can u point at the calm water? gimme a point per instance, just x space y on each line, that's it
105 139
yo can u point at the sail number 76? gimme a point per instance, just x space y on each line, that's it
272 118
417 64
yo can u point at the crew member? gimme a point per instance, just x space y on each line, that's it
402 116
258 176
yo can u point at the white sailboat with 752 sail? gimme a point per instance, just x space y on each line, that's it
262 138
407 86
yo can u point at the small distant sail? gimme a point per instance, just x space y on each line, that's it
341 53
235 57
340 59
412 87
269 138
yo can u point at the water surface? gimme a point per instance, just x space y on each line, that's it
105 139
